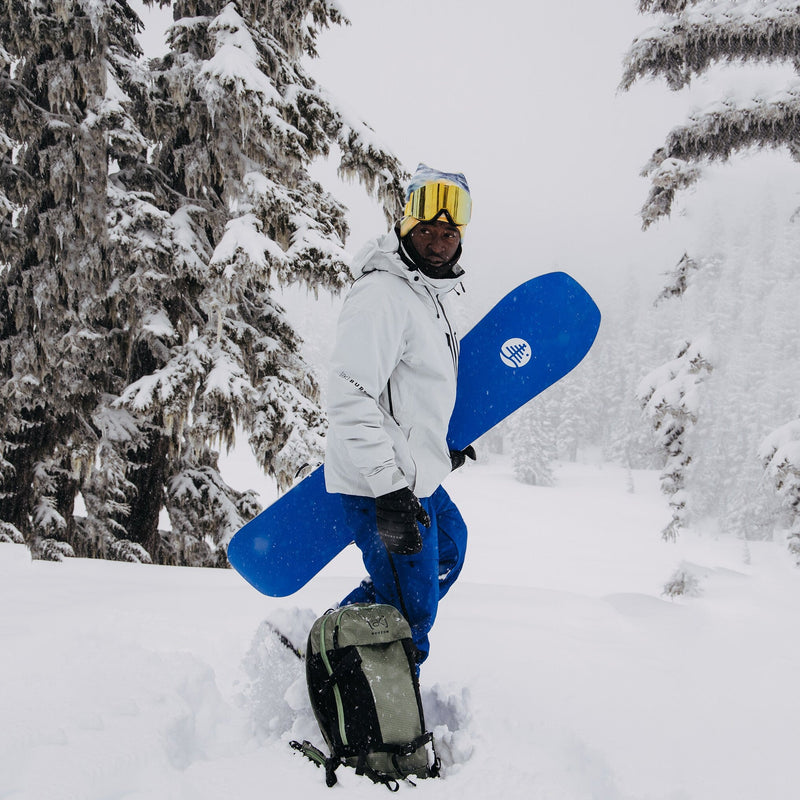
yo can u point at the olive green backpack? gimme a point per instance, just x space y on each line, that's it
364 690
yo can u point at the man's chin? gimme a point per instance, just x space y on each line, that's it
440 270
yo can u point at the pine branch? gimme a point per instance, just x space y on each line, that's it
721 130
709 33
663 6
668 175
679 279
715 134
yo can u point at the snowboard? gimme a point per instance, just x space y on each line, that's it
532 338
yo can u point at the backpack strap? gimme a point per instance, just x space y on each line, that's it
392 784
406 749
317 757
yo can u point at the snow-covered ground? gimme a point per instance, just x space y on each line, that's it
558 671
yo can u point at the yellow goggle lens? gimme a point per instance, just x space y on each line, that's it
432 198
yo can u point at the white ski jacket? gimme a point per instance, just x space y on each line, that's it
393 378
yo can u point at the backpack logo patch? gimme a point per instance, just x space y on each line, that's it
379 623
515 353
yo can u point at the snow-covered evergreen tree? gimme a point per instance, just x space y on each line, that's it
670 397
680 278
780 455
533 445
691 37
88 241
237 122
742 300
731 281
52 252
148 217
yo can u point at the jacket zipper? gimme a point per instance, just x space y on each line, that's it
391 402
452 339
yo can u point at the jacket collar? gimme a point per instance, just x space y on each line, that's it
382 254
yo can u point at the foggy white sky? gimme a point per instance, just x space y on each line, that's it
522 99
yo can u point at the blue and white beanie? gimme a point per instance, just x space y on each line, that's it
423 175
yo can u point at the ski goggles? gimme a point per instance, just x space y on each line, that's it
433 199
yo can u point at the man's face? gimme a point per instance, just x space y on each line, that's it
437 243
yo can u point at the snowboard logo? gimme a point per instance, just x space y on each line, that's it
515 353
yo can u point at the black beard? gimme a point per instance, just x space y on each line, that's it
411 258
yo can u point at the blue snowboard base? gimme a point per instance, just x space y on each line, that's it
532 338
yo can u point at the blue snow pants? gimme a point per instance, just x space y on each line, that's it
423 579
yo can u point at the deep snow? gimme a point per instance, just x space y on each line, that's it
558 670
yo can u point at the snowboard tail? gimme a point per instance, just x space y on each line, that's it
530 340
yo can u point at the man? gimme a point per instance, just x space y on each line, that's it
391 393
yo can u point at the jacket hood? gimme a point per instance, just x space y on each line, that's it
382 254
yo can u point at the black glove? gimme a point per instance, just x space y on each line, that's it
398 513
458 457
